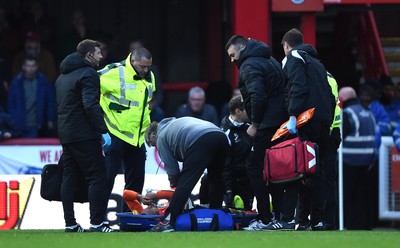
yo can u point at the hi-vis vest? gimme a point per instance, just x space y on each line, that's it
359 147
336 119
124 98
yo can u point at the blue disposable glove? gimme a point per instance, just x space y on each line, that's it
291 125
106 140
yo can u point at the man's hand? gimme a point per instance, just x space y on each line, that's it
252 130
145 200
152 196
291 125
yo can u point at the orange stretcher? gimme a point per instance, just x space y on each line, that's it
302 119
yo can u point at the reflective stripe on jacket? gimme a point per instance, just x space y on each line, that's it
359 146
125 101
336 118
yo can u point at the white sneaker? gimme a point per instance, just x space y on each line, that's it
255 225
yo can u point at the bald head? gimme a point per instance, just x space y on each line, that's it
347 93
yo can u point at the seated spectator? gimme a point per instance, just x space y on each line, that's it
396 137
31 101
369 100
8 127
9 40
37 18
197 107
77 31
390 100
34 50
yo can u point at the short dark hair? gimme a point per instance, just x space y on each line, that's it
236 103
236 41
87 46
151 133
293 37
140 53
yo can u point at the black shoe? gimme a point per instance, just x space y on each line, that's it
321 226
280 225
76 228
104 228
303 227
162 227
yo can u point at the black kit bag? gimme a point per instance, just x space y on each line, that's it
50 186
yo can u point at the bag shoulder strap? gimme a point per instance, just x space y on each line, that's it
193 222
214 225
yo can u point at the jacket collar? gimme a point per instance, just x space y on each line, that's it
133 72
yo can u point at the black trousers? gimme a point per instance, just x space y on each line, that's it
318 194
241 186
84 157
357 190
132 159
255 168
208 152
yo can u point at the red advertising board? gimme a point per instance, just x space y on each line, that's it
395 170
297 5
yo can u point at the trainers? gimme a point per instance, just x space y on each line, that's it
103 227
280 225
255 225
76 228
162 227
321 226
238 202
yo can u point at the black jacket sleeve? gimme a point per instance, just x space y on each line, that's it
346 125
298 87
255 85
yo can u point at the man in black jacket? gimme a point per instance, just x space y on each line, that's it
307 88
81 129
262 85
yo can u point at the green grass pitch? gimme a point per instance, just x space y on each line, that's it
233 239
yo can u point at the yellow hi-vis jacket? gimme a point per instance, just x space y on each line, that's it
336 119
124 98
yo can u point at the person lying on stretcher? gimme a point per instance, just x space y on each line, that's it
135 200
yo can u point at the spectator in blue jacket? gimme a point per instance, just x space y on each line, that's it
396 137
31 101
368 100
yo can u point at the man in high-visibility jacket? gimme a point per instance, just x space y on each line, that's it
126 92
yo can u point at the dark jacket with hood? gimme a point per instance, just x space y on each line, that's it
262 85
308 85
78 91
